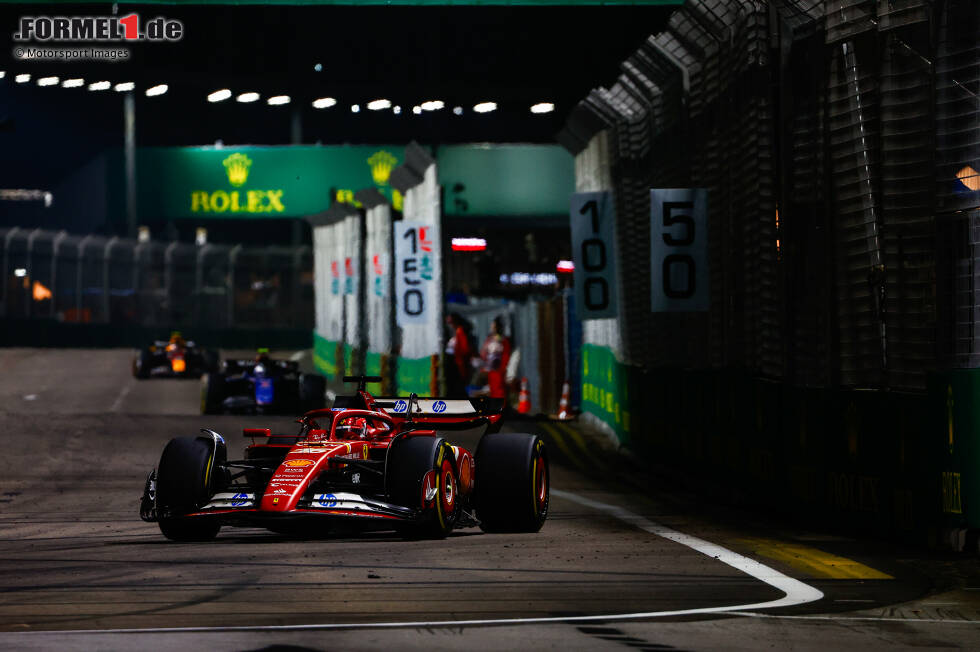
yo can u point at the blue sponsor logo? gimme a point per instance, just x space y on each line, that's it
401 406
327 500
439 407
264 391
239 499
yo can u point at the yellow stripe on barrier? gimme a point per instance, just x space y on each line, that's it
816 563
579 441
556 437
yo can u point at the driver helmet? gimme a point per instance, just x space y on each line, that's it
352 428
176 341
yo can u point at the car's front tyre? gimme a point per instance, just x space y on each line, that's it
417 467
185 482
142 364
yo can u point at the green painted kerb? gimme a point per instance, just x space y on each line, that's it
604 389
324 356
413 376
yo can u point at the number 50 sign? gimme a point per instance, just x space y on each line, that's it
679 250
593 251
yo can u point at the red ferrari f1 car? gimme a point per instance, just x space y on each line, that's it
377 463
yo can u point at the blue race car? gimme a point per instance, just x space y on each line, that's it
262 386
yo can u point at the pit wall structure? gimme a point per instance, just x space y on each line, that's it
835 374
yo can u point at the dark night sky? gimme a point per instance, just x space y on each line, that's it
515 56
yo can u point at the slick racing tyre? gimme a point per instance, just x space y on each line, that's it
422 474
511 491
312 392
142 364
212 392
209 360
185 478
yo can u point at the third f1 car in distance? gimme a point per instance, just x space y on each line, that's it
375 463
175 357
264 385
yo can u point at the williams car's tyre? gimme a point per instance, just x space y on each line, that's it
212 392
210 361
312 392
142 364
422 474
511 489
185 482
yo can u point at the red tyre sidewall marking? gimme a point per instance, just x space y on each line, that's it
447 489
539 478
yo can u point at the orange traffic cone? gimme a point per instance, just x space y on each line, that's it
524 398
563 413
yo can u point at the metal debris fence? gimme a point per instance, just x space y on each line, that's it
836 139
96 280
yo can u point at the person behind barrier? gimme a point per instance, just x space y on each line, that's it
459 352
495 353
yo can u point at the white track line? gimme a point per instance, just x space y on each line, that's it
796 592
879 619
117 404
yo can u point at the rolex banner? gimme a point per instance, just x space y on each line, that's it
260 182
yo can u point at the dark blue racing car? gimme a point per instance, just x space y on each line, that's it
261 386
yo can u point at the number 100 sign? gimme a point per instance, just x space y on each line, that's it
679 250
593 219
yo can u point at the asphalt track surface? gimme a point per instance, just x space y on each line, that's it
613 568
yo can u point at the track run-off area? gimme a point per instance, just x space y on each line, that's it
613 568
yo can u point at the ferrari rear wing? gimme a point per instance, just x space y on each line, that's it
445 413
433 407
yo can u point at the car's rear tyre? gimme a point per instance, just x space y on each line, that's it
511 490
312 392
212 392
142 364
186 480
416 466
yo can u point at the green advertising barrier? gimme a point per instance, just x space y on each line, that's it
254 182
333 360
376 364
605 389
414 375
956 448
325 356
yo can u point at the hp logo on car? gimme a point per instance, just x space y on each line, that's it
401 406
327 500
439 407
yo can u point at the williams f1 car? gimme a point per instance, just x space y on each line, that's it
175 357
261 386
368 462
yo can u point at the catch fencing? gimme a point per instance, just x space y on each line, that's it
839 142
92 279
